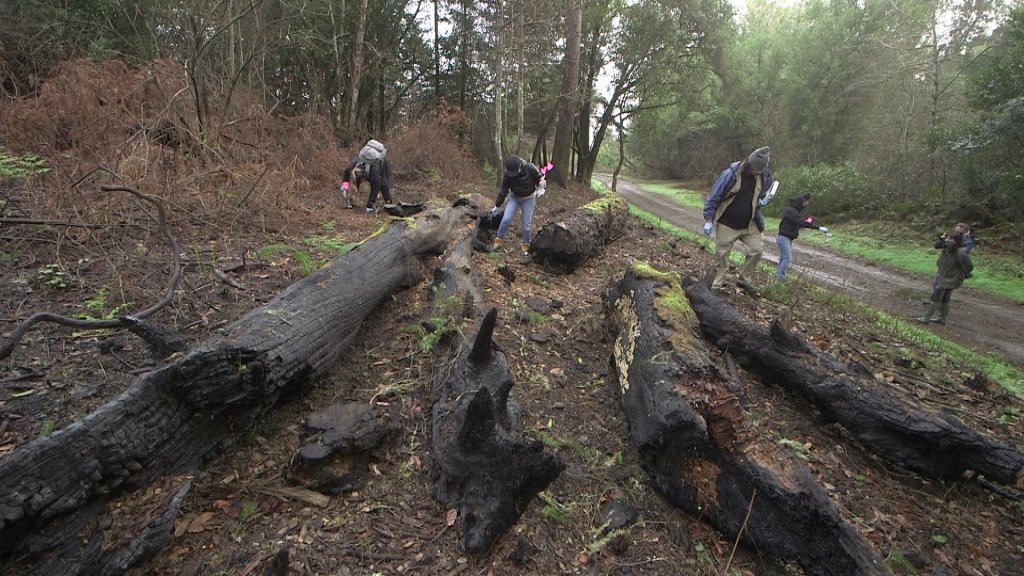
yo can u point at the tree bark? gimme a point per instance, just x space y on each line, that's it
932 444
483 465
568 98
356 69
564 246
700 450
176 417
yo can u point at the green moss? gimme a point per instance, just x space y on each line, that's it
605 202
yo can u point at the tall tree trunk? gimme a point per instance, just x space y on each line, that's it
568 98
357 68
499 42
437 53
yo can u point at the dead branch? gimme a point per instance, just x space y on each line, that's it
9 343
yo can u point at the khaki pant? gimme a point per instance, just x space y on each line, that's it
753 246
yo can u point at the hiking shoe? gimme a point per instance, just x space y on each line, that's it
526 249
496 245
369 211
939 320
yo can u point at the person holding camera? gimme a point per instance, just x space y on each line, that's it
954 267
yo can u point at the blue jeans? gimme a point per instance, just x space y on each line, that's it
526 205
785 255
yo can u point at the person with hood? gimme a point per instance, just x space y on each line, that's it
519 184
733 210
371 164
789 230
954 266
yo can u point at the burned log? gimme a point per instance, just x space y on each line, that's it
483 466
176 417
699 449
934 444
564 246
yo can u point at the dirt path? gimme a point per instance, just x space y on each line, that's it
977 320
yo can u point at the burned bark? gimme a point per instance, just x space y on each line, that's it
338 444
176 417
564 246
483 465
937 445
699 449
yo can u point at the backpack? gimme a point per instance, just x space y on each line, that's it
372 153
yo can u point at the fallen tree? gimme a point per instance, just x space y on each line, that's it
699 449
483 465
564 246
937 445
55 492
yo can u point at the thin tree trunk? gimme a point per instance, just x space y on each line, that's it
357 68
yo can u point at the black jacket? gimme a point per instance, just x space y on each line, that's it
522 184
793 219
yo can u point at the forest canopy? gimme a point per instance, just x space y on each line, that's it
878 108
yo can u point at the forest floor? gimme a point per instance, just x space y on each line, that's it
240 511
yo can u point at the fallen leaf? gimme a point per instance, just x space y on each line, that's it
200 523
452 515
226 507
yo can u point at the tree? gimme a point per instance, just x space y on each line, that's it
568 97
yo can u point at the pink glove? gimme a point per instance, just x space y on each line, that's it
344 186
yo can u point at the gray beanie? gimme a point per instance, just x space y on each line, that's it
758 159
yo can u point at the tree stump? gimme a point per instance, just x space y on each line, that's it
564 246
482 464
174 418
700 451
937 445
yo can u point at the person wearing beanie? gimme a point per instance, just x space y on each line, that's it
733 211
519 184
789 229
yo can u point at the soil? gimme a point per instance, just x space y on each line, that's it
240 512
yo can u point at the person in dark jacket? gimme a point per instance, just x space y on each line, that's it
733 208
789 230
371 164
519 184
968 242
954 267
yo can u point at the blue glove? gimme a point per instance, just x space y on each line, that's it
707 228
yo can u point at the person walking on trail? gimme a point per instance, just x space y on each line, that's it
370 164
954 267
733 210
521 183
789 230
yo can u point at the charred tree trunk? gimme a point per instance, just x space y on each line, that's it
174 418
701 452
935 445
483 465
564 246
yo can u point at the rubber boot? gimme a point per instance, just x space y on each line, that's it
943 312
929 309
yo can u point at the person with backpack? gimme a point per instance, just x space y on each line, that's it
733 210
370 165
789 229
520 183
954 267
